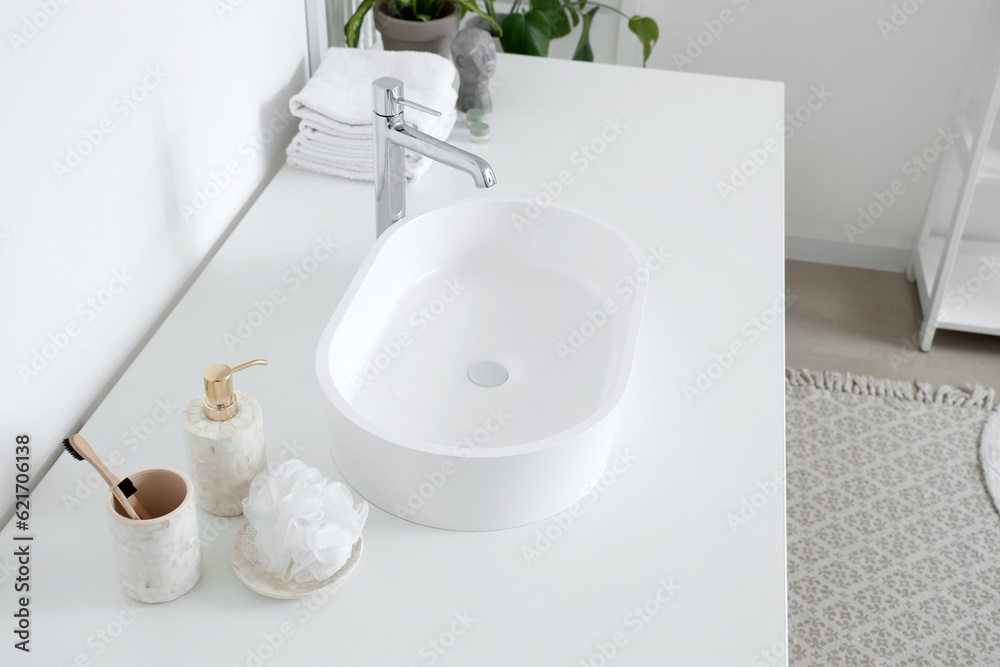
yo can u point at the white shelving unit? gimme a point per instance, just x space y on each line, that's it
972 302
956 263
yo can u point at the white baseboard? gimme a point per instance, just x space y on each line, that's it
842 253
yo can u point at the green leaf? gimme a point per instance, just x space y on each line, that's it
401 8
352 29
573 14
528 34
473 6
556 14
420 10
559 23
647 31
583 50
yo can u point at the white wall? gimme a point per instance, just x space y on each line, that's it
891 92
135 135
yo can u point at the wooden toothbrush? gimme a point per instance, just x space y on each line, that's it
123 489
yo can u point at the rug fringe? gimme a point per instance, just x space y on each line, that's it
974 397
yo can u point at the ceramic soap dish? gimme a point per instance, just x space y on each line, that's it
272 586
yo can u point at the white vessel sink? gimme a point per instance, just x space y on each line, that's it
546 311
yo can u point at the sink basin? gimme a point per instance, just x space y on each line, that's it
475 366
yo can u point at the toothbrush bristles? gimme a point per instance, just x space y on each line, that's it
72 452
127 487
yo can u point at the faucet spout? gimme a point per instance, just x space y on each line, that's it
393 136
413 139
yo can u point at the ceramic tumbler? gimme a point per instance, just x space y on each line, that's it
158 559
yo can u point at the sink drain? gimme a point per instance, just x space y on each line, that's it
488 374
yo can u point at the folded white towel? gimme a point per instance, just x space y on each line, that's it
314 132
438 127
341 89
362 157
359 162
353 171
335 133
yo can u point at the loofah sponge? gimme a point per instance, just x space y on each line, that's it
302 526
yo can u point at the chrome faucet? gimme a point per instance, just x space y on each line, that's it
392 136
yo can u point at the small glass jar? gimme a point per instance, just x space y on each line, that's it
479 133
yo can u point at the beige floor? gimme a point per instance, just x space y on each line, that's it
865 321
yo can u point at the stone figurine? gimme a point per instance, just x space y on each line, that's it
475 56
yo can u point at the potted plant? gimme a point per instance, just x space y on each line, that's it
415 25
527 29
531 26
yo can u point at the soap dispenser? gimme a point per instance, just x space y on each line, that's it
224 441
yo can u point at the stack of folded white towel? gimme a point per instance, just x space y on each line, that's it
335 134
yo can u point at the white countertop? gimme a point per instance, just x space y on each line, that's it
659 534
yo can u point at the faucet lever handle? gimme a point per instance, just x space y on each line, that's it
387 98
418 107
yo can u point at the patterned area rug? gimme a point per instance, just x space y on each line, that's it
893 539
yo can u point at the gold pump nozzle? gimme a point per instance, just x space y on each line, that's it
220 399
